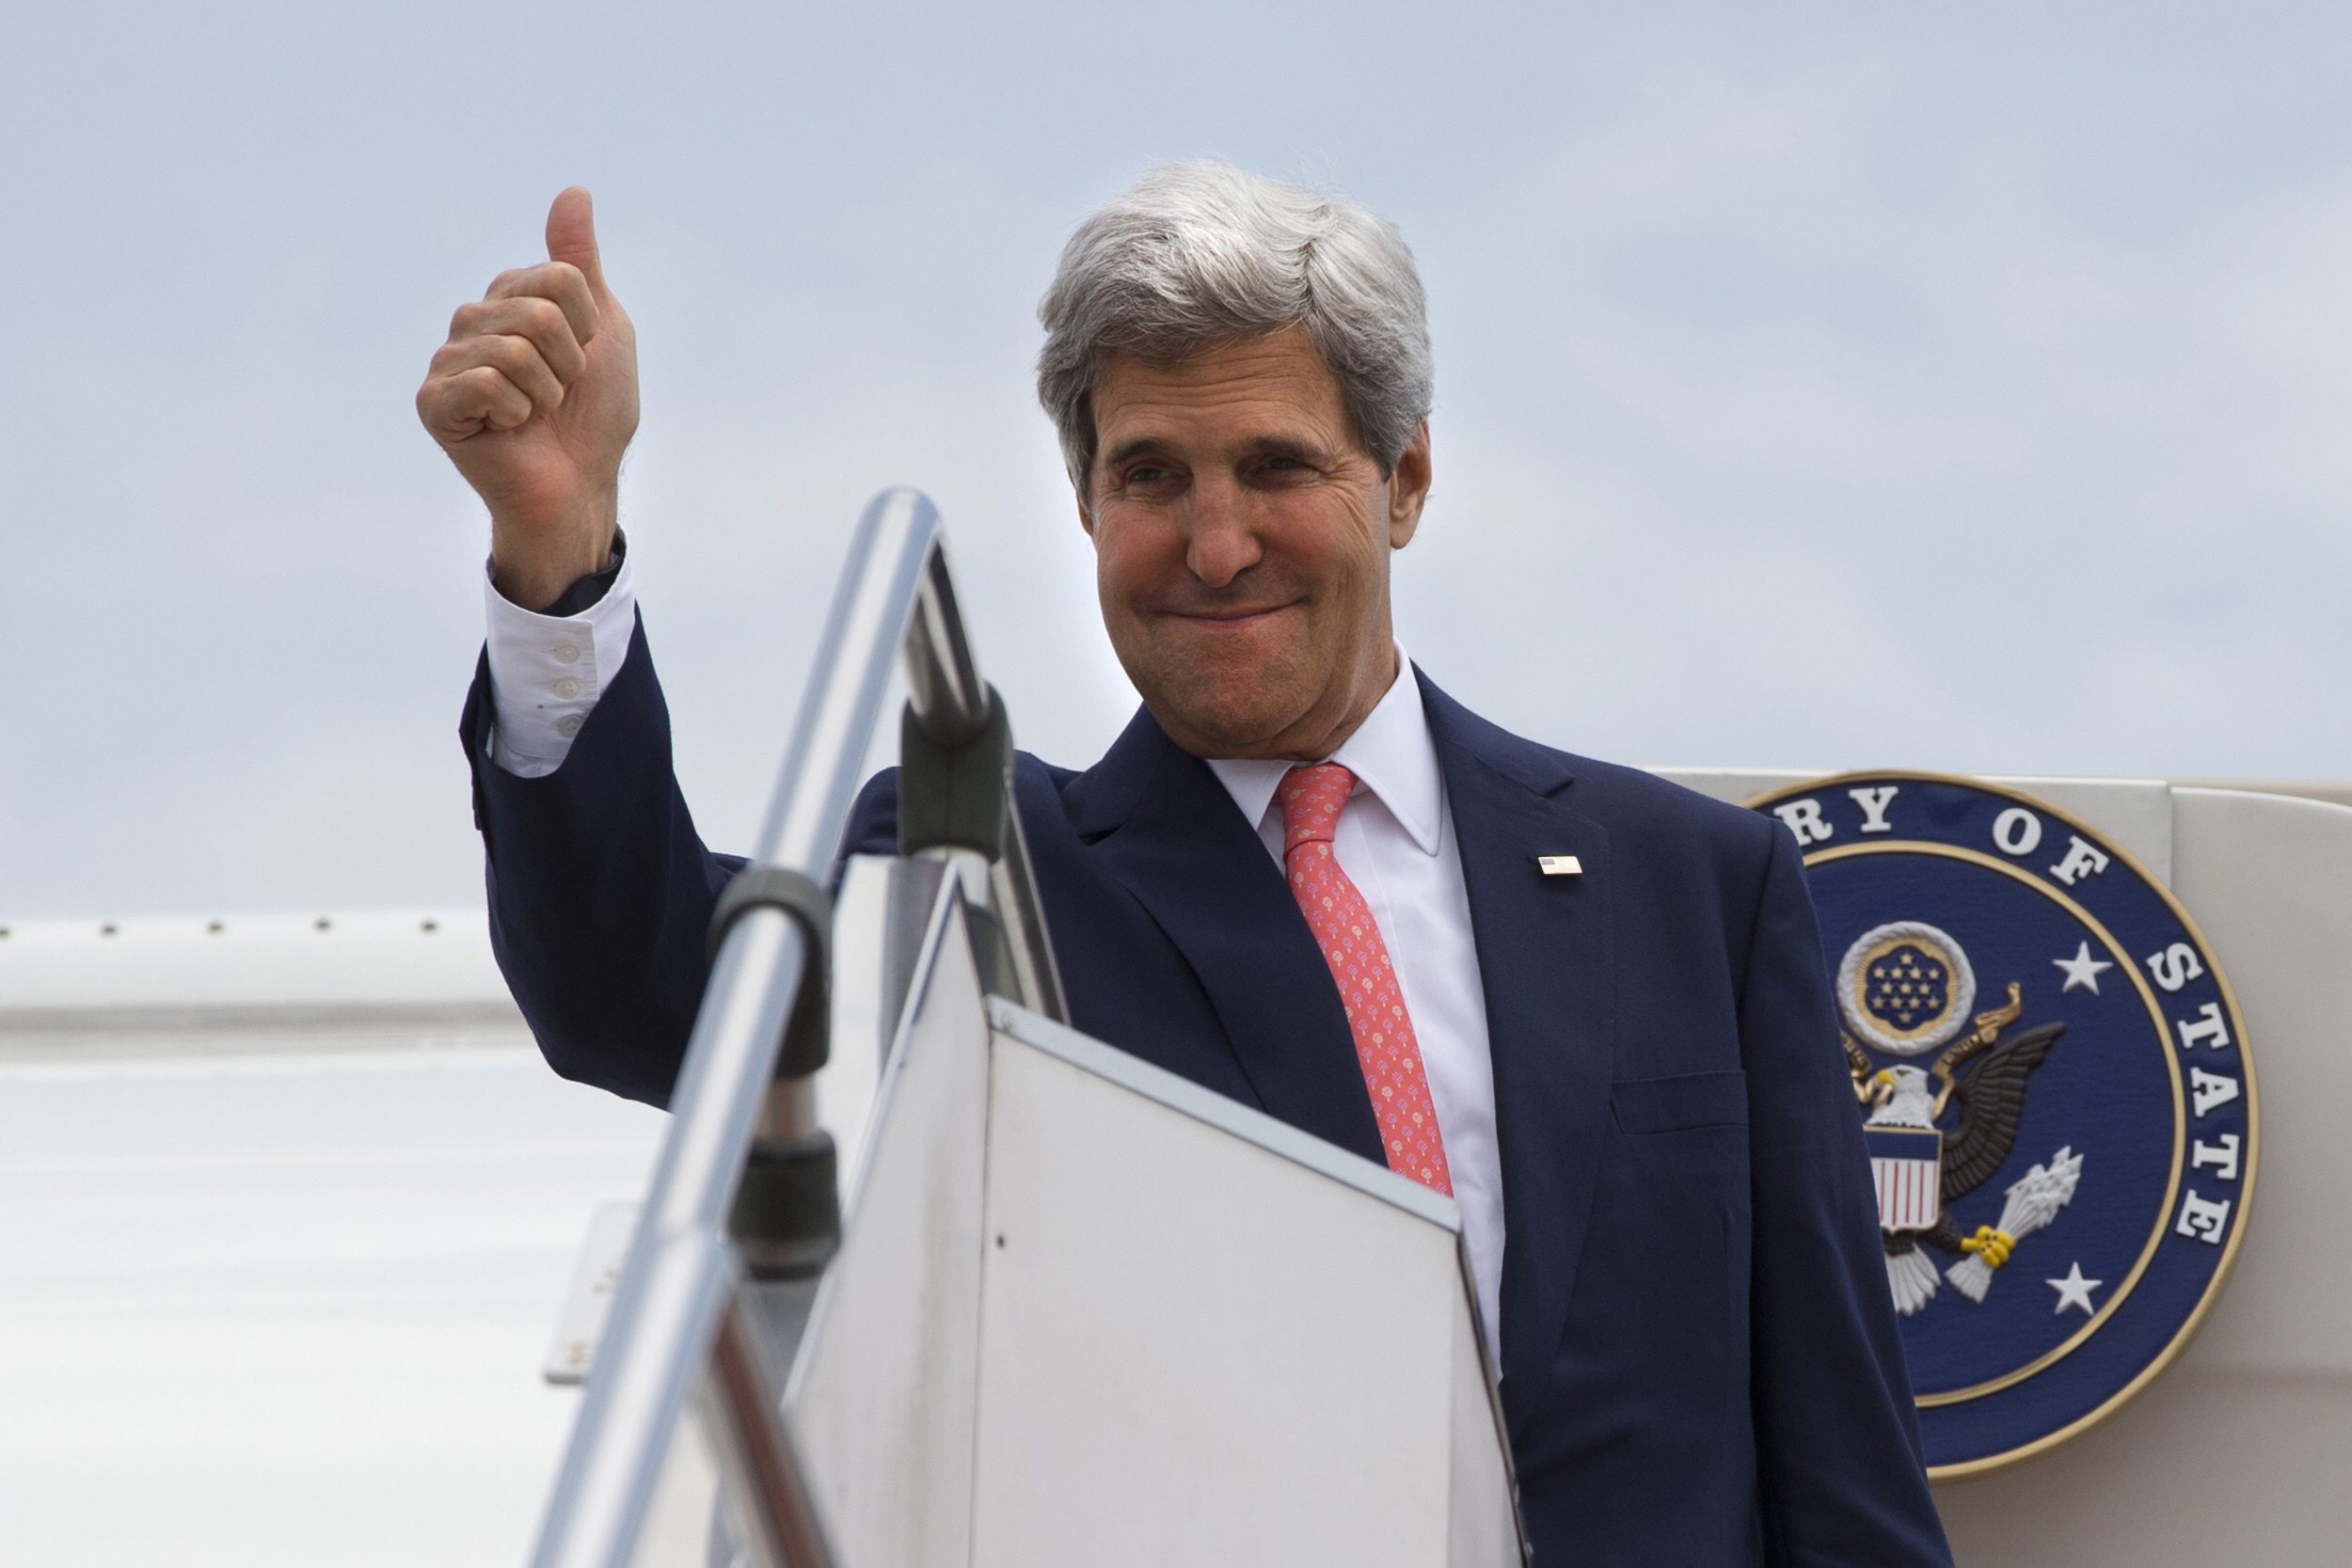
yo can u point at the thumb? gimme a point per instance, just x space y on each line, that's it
572 237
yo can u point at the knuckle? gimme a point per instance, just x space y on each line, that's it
487 384
463 389
497 398
542 318
508 352
519 362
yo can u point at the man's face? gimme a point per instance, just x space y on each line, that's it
1240 538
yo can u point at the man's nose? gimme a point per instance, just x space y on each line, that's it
1223 543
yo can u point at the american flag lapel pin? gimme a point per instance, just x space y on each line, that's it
1560 866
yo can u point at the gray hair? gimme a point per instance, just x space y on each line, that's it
1200 253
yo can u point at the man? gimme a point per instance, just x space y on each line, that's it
1303 877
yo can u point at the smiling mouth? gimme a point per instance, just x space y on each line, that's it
1230 618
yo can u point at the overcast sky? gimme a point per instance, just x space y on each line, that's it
1959 389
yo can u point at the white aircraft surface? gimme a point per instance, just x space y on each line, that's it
288 1208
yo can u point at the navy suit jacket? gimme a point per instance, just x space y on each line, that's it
1700 1360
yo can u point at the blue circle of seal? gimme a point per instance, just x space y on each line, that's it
2063 1187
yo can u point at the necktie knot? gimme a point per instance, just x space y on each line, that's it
1312 798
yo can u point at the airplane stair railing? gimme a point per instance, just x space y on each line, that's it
743 1207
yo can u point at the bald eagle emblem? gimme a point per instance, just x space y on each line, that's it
1905 990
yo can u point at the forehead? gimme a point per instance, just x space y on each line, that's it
1248 389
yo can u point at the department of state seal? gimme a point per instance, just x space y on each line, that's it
2057 1100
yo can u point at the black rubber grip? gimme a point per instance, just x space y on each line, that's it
787 1215
808 1037
955 797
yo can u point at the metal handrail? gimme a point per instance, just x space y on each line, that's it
888 571
895 595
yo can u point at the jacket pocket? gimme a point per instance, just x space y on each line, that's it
1685 1101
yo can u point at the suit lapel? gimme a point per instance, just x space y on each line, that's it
1171 833
1168 831
1546 965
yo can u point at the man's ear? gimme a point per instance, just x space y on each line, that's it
1408 488
1078 494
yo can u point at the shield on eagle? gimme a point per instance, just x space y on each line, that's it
1907 1165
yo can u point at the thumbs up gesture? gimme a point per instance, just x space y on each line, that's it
534 399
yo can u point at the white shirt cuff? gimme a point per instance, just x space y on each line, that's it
547 672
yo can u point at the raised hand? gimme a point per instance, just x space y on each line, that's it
534 399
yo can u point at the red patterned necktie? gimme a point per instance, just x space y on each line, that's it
1386 1047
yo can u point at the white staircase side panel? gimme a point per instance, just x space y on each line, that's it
1196 1349
847 1084
881 1402
1482 1530
1204 1336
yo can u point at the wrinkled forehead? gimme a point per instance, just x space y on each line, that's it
1272 387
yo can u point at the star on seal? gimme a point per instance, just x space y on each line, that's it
2073 1290
2082 970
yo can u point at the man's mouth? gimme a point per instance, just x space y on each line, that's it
1230 617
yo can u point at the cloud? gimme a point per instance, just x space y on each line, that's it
1918 393
1802 458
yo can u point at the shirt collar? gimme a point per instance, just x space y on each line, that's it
1390 754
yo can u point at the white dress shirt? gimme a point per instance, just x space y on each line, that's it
547 671
1395 839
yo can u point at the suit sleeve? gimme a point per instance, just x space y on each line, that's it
601 891
1837 1437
